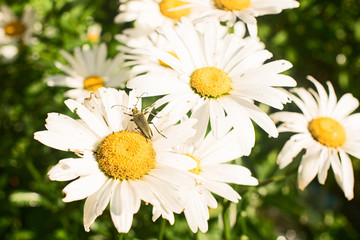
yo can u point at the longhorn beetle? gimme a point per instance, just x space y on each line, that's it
138 117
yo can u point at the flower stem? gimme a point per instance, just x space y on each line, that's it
275 178
226 221
162 229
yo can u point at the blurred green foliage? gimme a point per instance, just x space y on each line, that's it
321 38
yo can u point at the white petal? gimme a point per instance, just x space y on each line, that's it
348 173
167 194
97 125
71 168
336 167
123 205
323 97
196 211
67 134
175 135
96 203
324 164
309 166
261 118
292 148
155 84
113 104
64 81
175 160
307 103
242 124
223 190
213 151
202 114
83 187
229 173
217 119
346 105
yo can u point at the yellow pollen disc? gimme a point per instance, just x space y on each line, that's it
327 131
164 64
125 155
14 29
232 5
196 170
167 5
210 82
93 83
93 37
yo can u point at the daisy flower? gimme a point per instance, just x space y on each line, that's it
116 163
245 10
14 31
88 71
327 132
94 33
217 75
212 156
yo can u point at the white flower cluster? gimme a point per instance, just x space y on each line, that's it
204 63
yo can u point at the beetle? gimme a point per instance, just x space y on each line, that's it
138 117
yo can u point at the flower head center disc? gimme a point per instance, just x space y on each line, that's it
126 155
197 169
232 5
167 5
14 29
210 82
93 83
327 131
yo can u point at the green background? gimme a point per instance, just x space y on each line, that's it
321 38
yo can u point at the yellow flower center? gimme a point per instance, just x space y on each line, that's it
167 5
232 5
196 170
327 131
93 83
210 82
126 155
165 64
14 29
93 37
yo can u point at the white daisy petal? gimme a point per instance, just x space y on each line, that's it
196 212
348 176
123 205
217 119
176 160
223 190
309 167
337 167
97 202
83 187
346 105
261 118
90 119
292 148
71 168
229 173
324 164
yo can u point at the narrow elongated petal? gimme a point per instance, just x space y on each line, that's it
83 187
97 202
